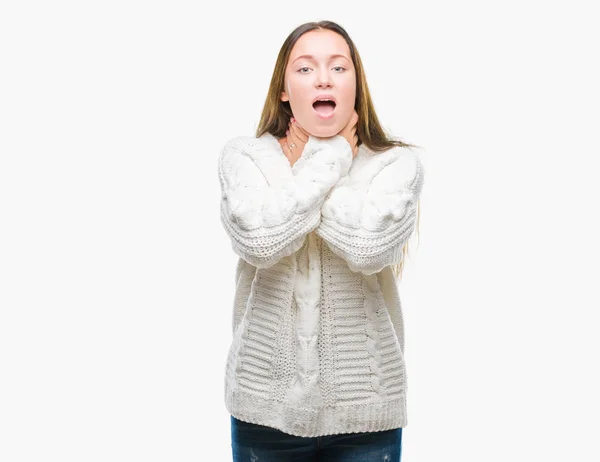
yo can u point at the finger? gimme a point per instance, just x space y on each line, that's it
288 153
286 149
294 150
353 122
349 125
290 133
291 137
294 130
300 132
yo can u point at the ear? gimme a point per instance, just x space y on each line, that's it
284 96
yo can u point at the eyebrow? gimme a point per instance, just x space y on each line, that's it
312 57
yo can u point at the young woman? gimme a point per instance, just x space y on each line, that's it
319 207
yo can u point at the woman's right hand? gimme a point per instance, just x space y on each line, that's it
297 136
349 132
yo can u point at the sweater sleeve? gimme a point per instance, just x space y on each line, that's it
368 219
267 206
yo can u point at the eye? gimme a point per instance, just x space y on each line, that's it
336 67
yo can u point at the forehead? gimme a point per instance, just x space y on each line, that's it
320 44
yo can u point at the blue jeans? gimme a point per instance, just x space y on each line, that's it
257 443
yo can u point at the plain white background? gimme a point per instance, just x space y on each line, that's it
116 278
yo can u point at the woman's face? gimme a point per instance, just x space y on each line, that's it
328 70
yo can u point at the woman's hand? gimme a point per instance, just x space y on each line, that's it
296 139
349 132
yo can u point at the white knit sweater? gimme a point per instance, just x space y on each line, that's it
318 344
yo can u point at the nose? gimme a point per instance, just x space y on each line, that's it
323 79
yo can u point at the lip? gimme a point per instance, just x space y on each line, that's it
325 96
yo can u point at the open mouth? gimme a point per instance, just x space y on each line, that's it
324 108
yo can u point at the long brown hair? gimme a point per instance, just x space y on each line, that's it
277 113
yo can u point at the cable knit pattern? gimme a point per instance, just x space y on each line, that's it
318 335
268 207
371 213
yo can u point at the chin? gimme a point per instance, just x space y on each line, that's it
324 132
